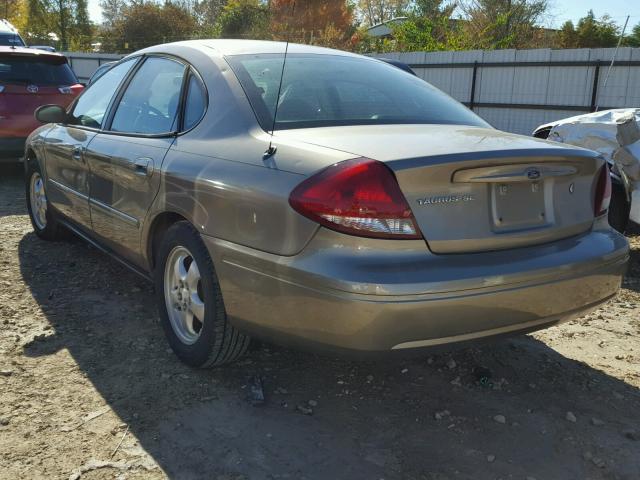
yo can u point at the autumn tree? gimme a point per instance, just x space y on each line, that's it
12 10
321 22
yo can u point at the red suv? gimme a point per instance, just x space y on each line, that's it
28 79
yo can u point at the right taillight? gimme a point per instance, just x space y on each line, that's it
359 197
603 192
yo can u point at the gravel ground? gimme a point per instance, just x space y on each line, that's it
89 389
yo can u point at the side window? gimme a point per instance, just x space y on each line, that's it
150 102
93 103
196 102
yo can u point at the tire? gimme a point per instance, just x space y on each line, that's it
190 301
42 216
619 208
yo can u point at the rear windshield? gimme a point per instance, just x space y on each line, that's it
36 70
333 90
10 40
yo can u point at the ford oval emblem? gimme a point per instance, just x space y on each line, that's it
533 174
32 88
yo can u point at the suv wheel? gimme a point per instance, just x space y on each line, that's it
40 212
190 301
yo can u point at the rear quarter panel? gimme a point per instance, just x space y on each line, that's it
217 177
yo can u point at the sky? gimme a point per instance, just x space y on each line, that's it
559 12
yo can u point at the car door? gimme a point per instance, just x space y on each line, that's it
125 158
67 171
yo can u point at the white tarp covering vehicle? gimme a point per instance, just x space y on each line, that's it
616 135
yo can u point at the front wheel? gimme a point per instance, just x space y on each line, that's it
40 212
190 301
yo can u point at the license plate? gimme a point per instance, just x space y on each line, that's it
518 205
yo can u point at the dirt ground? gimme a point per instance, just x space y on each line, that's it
89 389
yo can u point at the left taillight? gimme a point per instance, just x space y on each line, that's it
358 197
603 192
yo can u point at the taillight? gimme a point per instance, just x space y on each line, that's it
72 90
603 192
359 197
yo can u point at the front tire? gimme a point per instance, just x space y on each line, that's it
190 302
41 214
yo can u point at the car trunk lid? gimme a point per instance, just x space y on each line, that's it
475 189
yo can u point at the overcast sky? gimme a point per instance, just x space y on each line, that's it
560 11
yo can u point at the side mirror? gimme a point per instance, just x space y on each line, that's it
51 114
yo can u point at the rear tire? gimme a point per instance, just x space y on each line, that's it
190 301
43 218
619 208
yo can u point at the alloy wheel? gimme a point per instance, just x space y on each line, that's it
183 295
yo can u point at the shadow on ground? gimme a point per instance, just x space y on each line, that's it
371 420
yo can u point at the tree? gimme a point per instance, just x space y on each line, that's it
322 22
111 11
373 12
594 33
494 24
37 26
568 37
428 27
207 13
62 13
12 10
245 19
82 32
633 40
143 24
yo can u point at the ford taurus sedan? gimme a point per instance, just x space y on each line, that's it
318 198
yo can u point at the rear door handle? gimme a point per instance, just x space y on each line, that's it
77 153
143 166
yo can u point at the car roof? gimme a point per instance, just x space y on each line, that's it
224 47
25 51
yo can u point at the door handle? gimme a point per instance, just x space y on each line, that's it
143 166
76 154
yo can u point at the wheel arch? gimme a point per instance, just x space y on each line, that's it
158 227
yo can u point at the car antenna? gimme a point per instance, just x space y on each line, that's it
613 59
272 148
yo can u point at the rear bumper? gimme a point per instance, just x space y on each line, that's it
336 298
12 149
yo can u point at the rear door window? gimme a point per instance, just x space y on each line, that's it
26 70
150 103
92 105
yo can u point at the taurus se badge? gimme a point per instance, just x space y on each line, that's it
445 199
